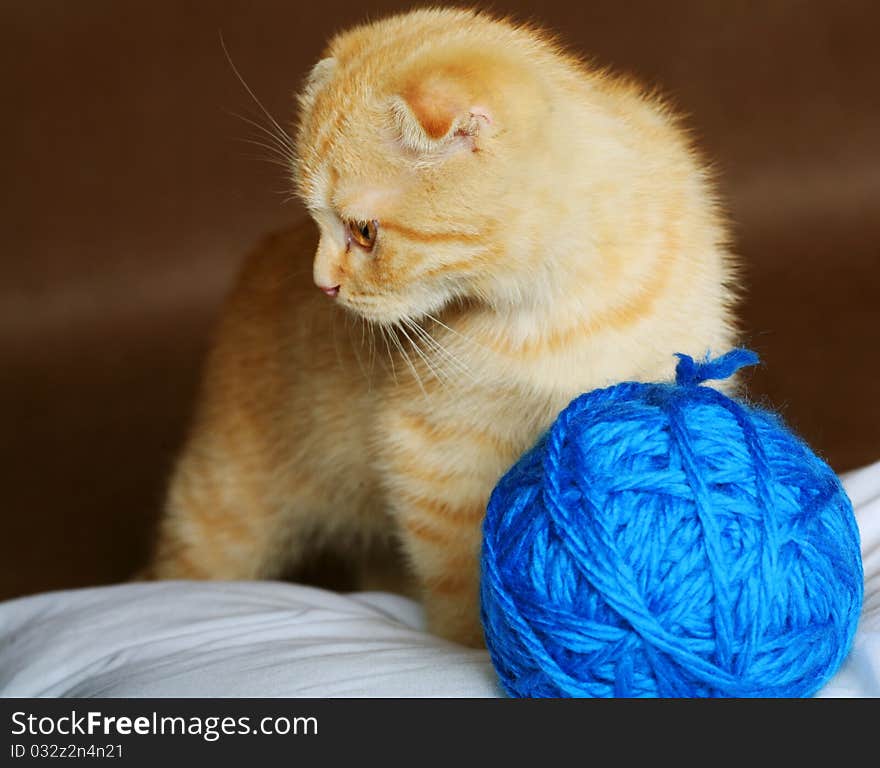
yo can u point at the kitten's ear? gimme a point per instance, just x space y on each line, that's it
439 112
320 75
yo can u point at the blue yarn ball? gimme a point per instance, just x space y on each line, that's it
666 540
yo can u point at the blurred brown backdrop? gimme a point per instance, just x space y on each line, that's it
128 201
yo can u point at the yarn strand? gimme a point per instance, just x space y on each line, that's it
688 372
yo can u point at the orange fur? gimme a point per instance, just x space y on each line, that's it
543 229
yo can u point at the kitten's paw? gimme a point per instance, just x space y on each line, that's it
455 620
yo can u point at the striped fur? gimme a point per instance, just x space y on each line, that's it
544 228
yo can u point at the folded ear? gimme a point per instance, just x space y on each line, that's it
319 76
439 110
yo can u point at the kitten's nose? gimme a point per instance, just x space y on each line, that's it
331 291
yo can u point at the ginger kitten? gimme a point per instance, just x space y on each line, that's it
500 228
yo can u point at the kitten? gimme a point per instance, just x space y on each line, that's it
501 227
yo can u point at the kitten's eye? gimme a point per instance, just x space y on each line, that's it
364 233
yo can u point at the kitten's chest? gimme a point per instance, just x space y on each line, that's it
469 435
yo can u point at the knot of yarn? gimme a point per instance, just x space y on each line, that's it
689 372
666 540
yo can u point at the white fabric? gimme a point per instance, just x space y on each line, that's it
860 673
234 639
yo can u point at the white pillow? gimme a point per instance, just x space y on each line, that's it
268 639
228 639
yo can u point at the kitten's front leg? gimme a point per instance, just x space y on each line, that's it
439 473
218 523
442 535
235 512
439 463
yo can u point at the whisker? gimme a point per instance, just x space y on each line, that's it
418 350
282 134
457 333
349 322
437 349
333 332
440 349
285 150
367 334
409 362
390 354
371 338
274 158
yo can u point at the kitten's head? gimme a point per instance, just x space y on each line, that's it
408 131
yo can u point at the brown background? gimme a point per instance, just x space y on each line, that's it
128 201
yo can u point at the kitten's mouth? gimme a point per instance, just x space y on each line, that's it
372 314
391 309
